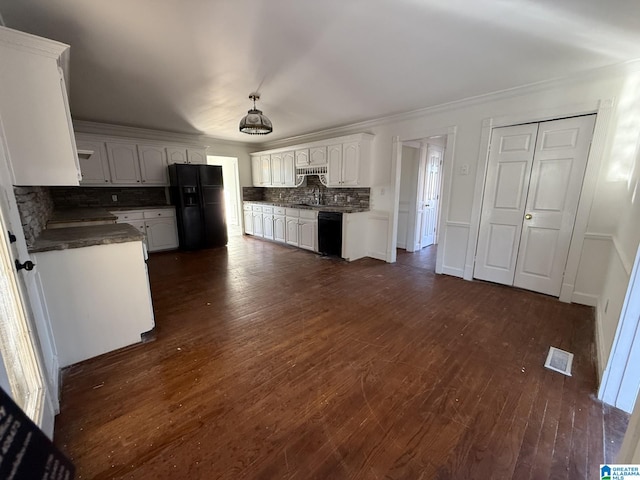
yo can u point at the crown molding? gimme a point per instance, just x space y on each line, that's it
365 126
97 128
32 43
608 71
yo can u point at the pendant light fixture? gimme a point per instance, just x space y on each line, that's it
255 123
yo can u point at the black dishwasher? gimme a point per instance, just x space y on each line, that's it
330 233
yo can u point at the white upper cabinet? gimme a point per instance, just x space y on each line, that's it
334 168
265 170
197 155
124 163
348 164
176 155
318 156
35 111
186 155
340 162
302 157
277 171
256 171
288 169
283 171
153 165
94 164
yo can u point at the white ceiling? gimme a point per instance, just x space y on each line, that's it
189 65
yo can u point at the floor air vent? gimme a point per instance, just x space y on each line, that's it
559 360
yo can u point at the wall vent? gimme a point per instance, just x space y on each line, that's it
559 361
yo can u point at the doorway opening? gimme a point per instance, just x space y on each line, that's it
420 192
232 201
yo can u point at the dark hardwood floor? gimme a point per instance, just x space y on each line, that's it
274 363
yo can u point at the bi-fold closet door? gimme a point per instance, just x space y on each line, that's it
532 189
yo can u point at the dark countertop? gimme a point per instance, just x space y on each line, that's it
78 237
126 209
67 215
321 208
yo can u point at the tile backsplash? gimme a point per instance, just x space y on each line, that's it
352 197
103 196
35 206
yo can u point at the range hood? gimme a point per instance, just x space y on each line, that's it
303 172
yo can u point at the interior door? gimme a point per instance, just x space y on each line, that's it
505 196
28 349
533 185
430 198
559 164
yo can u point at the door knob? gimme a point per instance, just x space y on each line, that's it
528 216
28 265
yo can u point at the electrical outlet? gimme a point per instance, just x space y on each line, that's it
349 198
382 191
114 197
464 169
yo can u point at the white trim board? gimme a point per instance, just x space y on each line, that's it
85 126
603 109
621 378
421 134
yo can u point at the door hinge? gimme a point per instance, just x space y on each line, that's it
12 237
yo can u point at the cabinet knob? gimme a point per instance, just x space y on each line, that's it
138 181
107 181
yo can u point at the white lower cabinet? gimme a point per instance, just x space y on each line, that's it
267 222
157 225
248 220
267 226
292 237
296 227
257 224
161 234
308 236
279 228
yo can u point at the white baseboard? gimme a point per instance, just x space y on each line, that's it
585 299
455 272
378 255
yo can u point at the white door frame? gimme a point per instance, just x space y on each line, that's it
34 307
603 108
621 378
446 179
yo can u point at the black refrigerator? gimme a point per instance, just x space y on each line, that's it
197 192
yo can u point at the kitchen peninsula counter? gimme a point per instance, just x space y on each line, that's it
85 236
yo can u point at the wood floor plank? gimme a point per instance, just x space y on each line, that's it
271 362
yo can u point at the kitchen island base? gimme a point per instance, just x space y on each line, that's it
104 302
